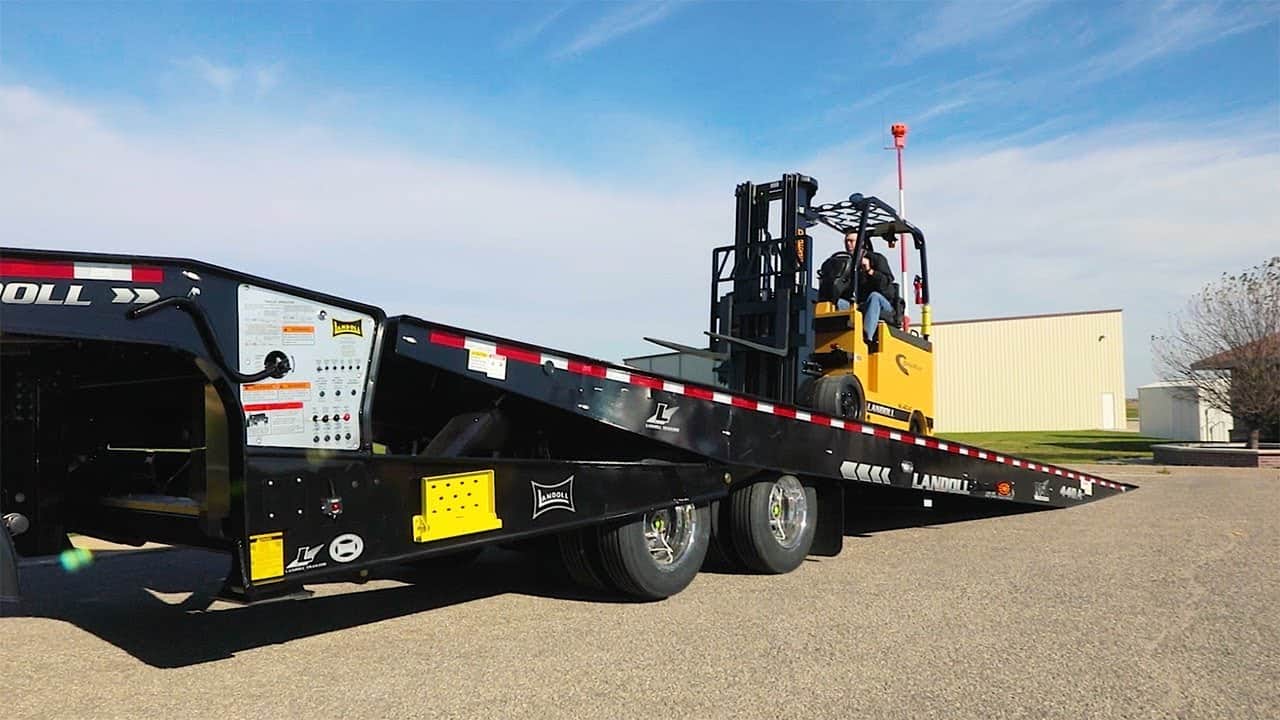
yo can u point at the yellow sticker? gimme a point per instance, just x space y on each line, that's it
266 556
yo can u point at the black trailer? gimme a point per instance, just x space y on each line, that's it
312 438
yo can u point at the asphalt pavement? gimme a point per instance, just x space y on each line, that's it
1161 603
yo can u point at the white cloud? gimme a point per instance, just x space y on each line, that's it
1169 28
623 21
260 79
540 255
961 22
267 77
1137 217
222 77
526 34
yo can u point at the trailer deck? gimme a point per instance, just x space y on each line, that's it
312 437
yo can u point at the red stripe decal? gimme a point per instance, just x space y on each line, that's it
743 402
37 269
881 433
586 369
520 355
820 420
653 383
259 407
931 443
695 392
440 338
785 412
144 274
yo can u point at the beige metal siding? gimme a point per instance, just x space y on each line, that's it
1035 373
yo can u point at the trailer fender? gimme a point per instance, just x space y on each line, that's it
828 538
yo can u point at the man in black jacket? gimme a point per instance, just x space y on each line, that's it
875 288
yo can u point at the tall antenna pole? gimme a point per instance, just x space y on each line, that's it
899 131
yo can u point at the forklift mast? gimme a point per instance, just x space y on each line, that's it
763 326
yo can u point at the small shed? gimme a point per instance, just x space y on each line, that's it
1178 411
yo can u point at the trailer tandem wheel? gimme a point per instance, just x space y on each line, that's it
773 523
580 556
658 554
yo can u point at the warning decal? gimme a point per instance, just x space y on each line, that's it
318 404
266 556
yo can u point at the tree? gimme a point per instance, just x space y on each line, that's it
1226 344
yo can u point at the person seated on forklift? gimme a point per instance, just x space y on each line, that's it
876 294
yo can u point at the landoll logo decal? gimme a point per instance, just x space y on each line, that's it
939 483
306 558
348 327
661 418
552 497
24 293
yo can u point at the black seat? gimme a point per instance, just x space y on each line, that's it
835 278
835 282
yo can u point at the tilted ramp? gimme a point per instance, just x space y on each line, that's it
738 430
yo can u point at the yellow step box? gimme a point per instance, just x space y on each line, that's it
458 504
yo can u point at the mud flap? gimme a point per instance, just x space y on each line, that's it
9 589
828 537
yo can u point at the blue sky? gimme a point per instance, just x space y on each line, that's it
560 172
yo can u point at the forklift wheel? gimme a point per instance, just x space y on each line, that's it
840 396
917 424
773 524
659 554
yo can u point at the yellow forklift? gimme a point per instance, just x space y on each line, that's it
893 375
777 336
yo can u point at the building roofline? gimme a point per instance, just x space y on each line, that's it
1228 359
1028 317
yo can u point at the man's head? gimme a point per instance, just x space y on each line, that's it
850 241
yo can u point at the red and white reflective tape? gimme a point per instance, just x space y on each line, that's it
50 270
607 372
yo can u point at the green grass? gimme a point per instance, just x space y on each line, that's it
1131 409
1062 447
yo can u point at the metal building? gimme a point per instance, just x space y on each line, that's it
1178 411
1035 372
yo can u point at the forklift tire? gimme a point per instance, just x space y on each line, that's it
840 396
918 425
580 555
658 554
773 524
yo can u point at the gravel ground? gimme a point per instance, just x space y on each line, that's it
1163 603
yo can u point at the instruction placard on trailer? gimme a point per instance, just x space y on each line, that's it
317 404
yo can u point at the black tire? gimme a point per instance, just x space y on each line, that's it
722 555
635 570
840 396
917 426
580 555
754 538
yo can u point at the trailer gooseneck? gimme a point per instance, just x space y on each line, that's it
312 437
